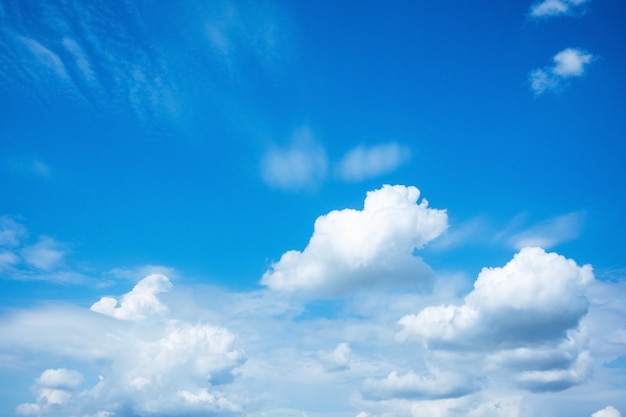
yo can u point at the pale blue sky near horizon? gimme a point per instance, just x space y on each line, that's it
201 140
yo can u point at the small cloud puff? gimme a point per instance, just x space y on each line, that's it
568 63
338 359
301 165
608 411
351 249
369 162
549 8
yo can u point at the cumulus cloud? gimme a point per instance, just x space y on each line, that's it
507 303
549 8
608 411
549 233
436 384
350 249
302 164
141 302
156 366
524 314
568 63
53 388
369 162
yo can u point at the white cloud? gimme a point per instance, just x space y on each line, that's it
369 162
549 233
548 8
507 302
351 248
302 164
46 57
436 384
568 63
338 359
60 379
46 254
156 366
141 302
608 411
53 388
524 314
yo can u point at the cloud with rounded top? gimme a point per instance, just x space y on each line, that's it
524 316
352 249
608 411
141 302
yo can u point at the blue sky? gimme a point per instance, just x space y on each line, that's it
312 208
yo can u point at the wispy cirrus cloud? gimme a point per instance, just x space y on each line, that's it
550 8
568 63
549 233
27 259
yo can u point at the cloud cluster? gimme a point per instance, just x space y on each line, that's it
549 8
568 63
350 249
152 364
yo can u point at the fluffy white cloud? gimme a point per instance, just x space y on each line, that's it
526 314
60 379
302 164
436 384
369 162
568 63
53 388
350 248
548 8
508 303
549 233
142 301
608 411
